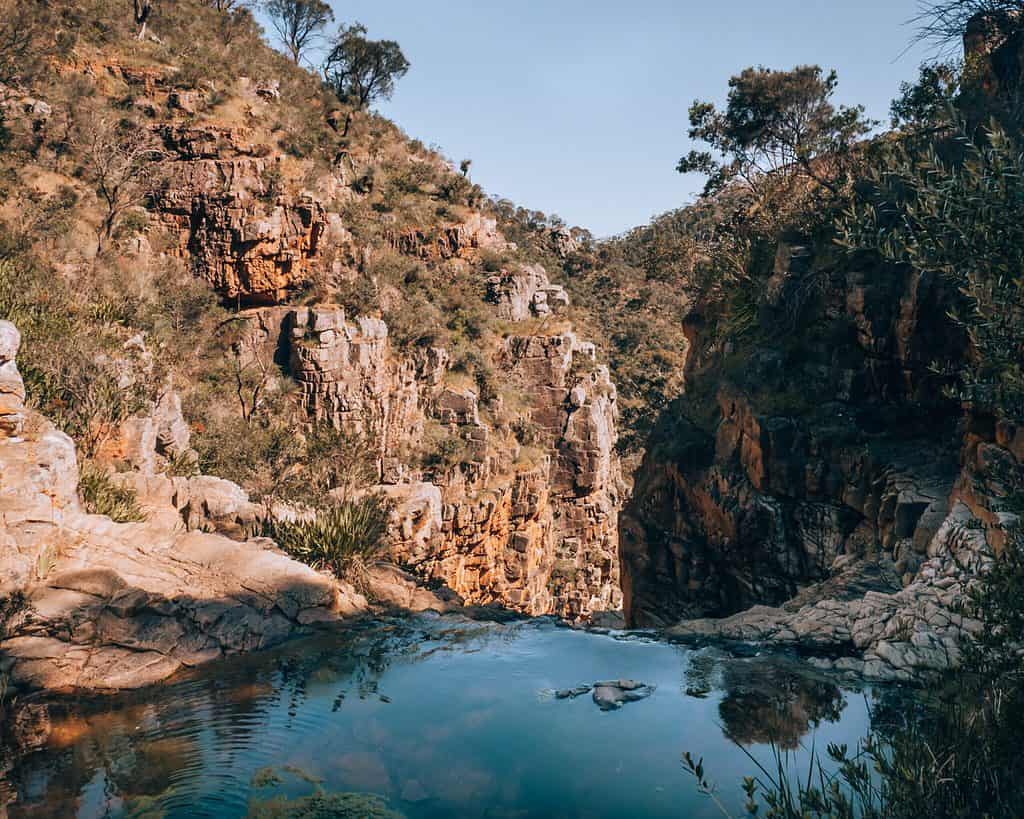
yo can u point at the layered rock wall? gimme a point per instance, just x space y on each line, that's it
832 486
537 535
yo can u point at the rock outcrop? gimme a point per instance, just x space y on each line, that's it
253 243
526 293
463 240
533 528
12 388
123 605
829 506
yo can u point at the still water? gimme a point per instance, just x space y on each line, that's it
440 717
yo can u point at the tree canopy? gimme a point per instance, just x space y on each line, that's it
360 70
776 123
298 23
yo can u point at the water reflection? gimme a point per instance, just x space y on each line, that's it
438 716
769 700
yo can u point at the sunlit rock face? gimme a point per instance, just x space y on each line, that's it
529 526
124 605
12 388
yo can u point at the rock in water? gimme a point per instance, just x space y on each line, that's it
572 693
609 696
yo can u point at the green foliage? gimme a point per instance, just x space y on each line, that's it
928 103
70 347
964 223
359 70
777 124
342 538
442 450
104 496
26 37
999 600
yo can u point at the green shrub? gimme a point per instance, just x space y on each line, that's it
442 450
343 538
103 496
965 223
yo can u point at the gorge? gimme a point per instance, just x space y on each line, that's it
291 412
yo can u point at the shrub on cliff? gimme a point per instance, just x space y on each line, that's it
76 367
360 70
104 496
343 538
778 132
963 222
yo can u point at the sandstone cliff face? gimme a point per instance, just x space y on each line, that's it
539 537
251 242
116 606
846 500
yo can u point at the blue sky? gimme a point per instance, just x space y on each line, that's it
579 107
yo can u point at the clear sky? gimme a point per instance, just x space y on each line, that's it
579 107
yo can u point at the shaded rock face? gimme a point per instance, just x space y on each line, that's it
835 512
769 506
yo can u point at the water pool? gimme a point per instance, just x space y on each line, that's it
439 717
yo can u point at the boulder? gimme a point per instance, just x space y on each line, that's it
526 293
12 388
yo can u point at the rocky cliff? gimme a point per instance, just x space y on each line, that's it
532 526
498 454
829 503
114 606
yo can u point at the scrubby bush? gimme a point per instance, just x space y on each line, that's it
102 495
73 358
344 538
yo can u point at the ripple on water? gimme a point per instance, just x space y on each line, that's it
441 716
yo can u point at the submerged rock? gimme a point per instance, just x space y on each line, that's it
573 693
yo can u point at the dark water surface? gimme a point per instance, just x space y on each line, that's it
442 717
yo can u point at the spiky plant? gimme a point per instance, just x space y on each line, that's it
103 496
344 538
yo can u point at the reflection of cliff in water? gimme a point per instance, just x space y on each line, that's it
121 754
437 716
767 700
